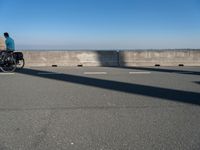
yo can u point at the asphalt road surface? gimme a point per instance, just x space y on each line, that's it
100 108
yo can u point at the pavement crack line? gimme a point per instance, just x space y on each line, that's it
89 108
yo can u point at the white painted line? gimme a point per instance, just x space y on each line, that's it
6 73
48 73
137 72
184 72
95 72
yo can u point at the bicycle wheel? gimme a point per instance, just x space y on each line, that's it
20 63
9 64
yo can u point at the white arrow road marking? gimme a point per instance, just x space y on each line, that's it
6 73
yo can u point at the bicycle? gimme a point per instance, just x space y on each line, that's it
7 62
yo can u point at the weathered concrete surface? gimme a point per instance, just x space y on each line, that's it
71 58
2 44
113 58
161 57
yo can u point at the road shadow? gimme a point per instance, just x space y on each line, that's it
165 70
197 82
132 88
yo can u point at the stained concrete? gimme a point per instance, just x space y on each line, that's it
160 57
71 58
113 58
2 44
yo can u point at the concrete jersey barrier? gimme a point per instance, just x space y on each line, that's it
160 57
113 58
71 58
2 44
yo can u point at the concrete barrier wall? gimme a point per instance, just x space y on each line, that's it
71 58
2 44
113 58
160 57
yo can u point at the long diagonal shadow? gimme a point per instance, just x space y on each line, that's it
165 70
151 91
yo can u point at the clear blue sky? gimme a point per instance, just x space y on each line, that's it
101 24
